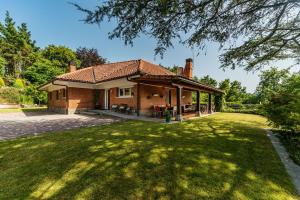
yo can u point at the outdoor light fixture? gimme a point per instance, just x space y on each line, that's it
155 95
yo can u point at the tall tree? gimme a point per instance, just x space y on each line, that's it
89 57
252 33
207 80
225 86
269 83
3 64
236 92
16 46
60 56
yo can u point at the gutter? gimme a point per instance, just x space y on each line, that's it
194 82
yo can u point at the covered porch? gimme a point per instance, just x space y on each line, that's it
182 86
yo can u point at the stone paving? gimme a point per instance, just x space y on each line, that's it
13 125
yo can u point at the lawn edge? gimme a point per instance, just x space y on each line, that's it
292 168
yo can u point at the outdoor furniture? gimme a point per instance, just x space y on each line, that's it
130 110
114 107
157 111
187 108
122 108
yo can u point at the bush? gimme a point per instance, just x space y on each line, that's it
19 83
2 83
283 110
291 141
10 95
236 107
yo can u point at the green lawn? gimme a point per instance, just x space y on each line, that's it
13 110
223 156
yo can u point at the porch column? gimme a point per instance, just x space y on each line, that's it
179 110
209 104
138 99
198 112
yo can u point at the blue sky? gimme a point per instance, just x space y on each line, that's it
58 22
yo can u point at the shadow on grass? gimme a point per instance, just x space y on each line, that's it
214 157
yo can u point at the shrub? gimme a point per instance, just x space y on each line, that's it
2 83
19 83
283 110
10 95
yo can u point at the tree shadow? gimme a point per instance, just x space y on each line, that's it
198 159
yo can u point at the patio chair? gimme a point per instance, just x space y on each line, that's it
157 111
114 107
122 108
130 110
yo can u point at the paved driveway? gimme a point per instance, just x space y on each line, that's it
13 125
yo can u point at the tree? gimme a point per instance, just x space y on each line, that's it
89 57
266 30
236 92
16 46
283 109
3 64
41 72
60 56
225 86
171 69
269 83
207 80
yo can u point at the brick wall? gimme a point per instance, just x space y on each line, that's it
80 99
130 101
57 102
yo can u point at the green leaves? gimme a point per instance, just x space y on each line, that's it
283 107
252 33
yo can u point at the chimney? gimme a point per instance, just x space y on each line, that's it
188 69
72 66
179 71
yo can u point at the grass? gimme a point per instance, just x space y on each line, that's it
13 110
223 156
291 141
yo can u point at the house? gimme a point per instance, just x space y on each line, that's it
136 83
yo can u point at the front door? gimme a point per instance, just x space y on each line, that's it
106 99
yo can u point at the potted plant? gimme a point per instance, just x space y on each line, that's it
167 116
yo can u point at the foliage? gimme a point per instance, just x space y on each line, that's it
3 64
269 84
283 109
189 160
207 80
19 83
16 46
37 96
219 102
41 72
89 57
237 107
10 95
2 83
60 56
266 30
291 142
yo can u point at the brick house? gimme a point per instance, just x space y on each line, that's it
137 83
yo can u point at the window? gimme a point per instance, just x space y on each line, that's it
57 95
124 92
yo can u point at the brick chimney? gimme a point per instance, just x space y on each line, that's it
188 69
72 66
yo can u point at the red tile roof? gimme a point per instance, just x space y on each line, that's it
105 72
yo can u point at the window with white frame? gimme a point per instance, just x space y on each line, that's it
124 92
